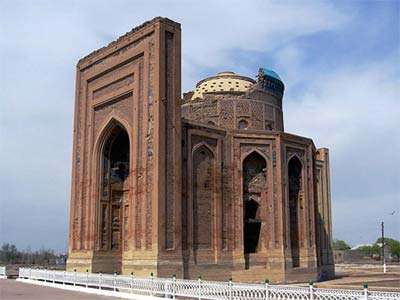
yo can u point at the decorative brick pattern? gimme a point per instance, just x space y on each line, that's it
113 86
186 205
203 197
119 86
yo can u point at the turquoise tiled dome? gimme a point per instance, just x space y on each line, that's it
271 73
270 81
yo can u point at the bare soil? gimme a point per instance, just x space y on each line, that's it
15 290
355 276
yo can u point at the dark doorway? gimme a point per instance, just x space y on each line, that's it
114 190
294 174
254 185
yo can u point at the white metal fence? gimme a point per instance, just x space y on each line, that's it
199 289
2 272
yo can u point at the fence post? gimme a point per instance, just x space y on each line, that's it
230 288
311 285
99 281
266 289
365 291
173 286
115 282
87 278
152 283
131 282
64 277
199 281
74 277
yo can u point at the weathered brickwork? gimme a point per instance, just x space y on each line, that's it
229 112
206 185
131 85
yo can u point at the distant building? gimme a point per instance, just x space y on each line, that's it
61 260
355 255
209 185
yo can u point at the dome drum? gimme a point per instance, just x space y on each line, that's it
229 113
233 101
223 83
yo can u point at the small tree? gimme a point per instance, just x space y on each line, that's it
393 244
395 248
340 245
366 250
376 250
9 253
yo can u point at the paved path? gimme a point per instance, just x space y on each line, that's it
14 290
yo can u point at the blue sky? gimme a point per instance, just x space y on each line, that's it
339 61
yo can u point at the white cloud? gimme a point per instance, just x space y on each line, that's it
354 111
210 29
349 103
259 26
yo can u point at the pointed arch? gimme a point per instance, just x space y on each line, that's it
203 189
295 156
254 184
294 172
105 128
112 154
203 144
251 151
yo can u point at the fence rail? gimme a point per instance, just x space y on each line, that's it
3 272
199 289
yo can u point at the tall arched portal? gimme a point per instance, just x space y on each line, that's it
294 174
254 186
113 221
203 198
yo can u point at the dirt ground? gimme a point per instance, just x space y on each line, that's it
355 276
15 290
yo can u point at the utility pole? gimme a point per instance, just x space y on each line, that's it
383 247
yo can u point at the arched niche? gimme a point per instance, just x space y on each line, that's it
295 178
243 124
253 186
114 187
203 197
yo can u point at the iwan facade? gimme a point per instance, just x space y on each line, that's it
207 185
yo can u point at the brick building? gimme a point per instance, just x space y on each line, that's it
206 185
